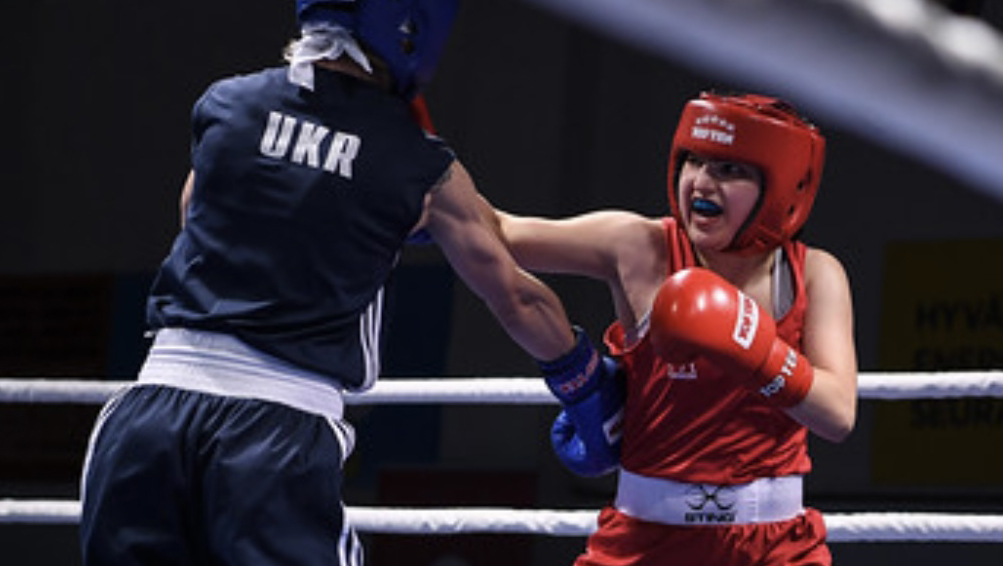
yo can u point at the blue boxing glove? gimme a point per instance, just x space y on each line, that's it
586 434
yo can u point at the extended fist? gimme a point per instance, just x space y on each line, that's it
586 434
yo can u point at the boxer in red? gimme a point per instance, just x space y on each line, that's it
735 339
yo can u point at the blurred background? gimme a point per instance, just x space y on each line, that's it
552 116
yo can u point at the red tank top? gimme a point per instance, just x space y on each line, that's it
695 423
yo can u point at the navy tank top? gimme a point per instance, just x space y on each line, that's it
301 204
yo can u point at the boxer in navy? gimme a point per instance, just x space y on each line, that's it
307 180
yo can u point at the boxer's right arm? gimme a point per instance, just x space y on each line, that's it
622 249
463 224
466 229
586 434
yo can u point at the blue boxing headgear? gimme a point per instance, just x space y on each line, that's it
408 35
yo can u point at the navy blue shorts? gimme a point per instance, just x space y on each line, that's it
176 477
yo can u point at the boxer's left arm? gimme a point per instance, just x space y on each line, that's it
830 408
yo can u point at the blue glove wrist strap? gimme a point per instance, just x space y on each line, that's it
572 376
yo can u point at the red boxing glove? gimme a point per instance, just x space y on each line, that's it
697 312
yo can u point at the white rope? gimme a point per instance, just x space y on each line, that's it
447 521
936 385
38 511
842 527
522 390
900 527
517 390
56 390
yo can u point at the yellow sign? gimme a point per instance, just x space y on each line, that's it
942 309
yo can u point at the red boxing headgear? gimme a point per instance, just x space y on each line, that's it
765 132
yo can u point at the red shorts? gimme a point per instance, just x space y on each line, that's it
622 540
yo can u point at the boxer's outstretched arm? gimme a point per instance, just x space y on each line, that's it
463 225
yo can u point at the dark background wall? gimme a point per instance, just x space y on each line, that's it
551 119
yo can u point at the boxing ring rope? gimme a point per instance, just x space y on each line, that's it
842 527
517 390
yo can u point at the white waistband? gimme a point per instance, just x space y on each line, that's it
764 500
220 364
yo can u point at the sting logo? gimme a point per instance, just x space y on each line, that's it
721 499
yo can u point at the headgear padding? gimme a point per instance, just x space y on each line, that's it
765 132
408 35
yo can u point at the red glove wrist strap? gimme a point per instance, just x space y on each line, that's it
785 376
